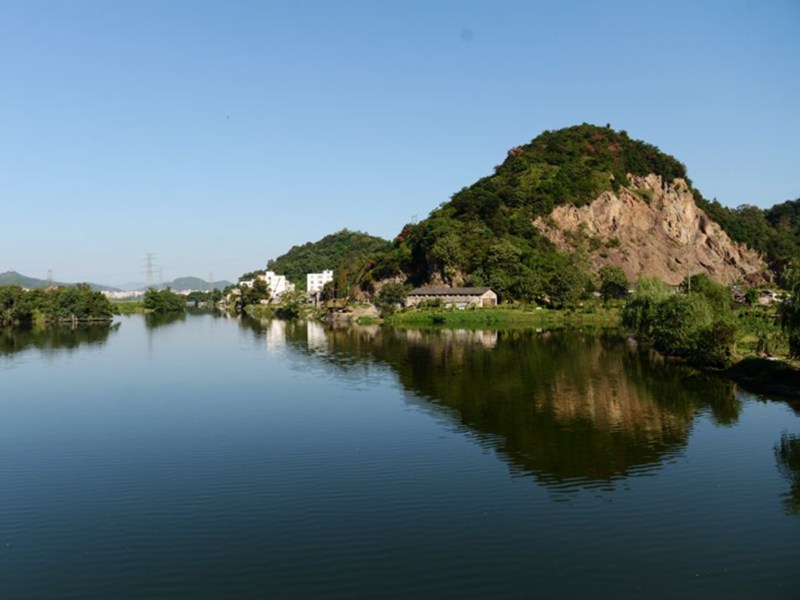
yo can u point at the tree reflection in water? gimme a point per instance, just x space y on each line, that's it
787 453
572 409
54 338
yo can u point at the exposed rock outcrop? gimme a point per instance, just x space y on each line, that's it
654 229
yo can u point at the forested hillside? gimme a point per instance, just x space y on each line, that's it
774 231
348 253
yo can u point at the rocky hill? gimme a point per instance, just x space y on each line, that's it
558 209
655 228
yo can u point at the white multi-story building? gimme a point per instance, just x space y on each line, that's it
315 281
278 285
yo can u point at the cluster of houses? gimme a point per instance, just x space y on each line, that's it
459 297
278 285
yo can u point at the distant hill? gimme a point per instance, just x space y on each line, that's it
14 278
346 252
181 284
184 284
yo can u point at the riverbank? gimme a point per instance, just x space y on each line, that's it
592 316
766 376
773 376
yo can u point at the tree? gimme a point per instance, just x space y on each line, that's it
255 293
196 297
15 306
613 282
790 309
390 297
718 295
292 305
638 313
163 301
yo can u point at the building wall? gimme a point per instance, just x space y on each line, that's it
277 284
315 281
489 298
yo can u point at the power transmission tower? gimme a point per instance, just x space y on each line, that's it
149 268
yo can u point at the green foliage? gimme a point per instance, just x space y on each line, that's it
790 309
77 303
253 294
351 253
292 305
572 165
505 317
328 291
639 312
485 234
390 297
251 275
613 282
699 327
775 232
16 307
163 301
677 321
718 295
197 297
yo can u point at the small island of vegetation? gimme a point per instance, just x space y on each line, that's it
73 304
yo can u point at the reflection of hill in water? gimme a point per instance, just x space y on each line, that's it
53 338
567 407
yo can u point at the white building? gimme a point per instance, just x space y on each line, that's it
315 281
278 285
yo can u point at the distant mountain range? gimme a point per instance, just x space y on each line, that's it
181 284
184 284
14 278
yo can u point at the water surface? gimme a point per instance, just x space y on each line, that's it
205 457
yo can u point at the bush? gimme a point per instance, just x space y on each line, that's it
163 301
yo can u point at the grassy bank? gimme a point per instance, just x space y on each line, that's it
128 308
592 316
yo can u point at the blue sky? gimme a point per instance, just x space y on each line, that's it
216 135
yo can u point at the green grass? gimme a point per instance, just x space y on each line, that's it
128 308
592 316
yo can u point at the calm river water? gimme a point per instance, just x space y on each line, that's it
204 457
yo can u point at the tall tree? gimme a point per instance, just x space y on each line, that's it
790 309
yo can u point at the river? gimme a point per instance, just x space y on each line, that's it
208 457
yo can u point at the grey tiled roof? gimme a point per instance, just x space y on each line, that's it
447 291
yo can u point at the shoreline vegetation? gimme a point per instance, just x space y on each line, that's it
587 316
56 305
698 325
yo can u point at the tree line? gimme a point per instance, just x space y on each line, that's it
20 307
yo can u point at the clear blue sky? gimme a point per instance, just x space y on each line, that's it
216 135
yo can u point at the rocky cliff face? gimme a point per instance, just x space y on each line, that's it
655 229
